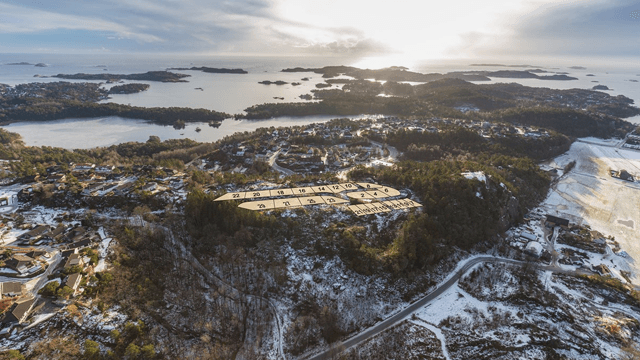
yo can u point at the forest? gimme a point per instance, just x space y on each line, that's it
64 100
574 112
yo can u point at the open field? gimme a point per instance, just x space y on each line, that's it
588 195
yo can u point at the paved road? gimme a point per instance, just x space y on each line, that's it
389 322
393 152
44 277
275 166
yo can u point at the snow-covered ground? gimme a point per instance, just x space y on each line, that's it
588 195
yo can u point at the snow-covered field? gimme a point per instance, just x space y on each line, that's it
588 195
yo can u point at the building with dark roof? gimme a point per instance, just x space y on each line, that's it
556 221
35 233
11 289
19 262
19 312
73 281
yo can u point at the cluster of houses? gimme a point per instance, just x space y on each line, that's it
529 240
38 251
107 180
336 145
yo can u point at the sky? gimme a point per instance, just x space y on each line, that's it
423 29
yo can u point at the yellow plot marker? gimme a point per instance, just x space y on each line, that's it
393 204
336 188
356 210
280 192
349 186
369 185
311 200
388 191
377 207
287 203
258 205
302 191
360 195
231 196
332 200
367 210
257 194
322 189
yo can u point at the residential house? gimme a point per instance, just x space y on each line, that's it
104 169
73 260
83 167
30 179
556 221
76 234
35 233
86 177
73 281
55 234
81 244
92 190
124 189
7 200
528 236
11 289
19 263
19 312
152 186
35 254
56 178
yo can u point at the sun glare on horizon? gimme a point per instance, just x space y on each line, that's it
405 33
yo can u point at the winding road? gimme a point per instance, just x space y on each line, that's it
275 166
406 312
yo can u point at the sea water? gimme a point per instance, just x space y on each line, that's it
232 93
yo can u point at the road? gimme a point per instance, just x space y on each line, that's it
275 166
44 277
406 312
393 152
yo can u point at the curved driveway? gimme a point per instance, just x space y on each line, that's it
392 320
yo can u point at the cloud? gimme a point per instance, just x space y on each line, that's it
351 27
16 19
586 28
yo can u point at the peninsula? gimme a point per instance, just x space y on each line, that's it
161 76
400 73
212 70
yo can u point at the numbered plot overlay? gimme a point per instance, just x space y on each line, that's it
369 198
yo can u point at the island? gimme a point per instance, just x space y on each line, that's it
268 82
394 73
128 88
63 100
212 70
178 249
161 76
600 87
529 74
402 74
590 111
